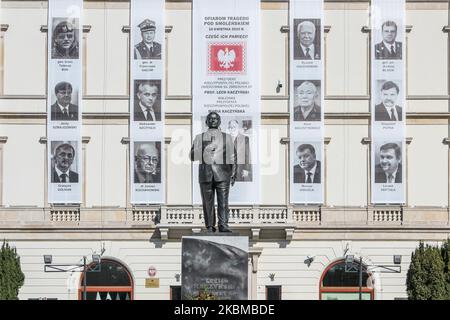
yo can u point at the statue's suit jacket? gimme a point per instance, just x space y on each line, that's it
221 170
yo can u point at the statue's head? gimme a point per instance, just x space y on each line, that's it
213 120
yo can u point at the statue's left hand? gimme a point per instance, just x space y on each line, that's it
233 180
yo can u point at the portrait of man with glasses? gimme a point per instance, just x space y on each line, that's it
147 168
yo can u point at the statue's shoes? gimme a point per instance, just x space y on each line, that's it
210 229
224 229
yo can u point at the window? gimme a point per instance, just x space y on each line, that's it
338 284
112 281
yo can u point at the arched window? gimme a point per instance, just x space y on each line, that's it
112 282
338 284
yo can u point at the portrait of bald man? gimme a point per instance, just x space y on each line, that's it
306 95
147 157
307 39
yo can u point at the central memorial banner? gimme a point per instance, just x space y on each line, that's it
226 79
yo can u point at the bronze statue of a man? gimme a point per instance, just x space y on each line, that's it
216 153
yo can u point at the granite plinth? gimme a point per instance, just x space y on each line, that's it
215 263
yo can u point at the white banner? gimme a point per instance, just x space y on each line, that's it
388 101
64 101
226 79
306 102
147 49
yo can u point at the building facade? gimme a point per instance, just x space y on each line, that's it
296 252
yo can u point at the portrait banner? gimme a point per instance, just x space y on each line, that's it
388 103
306 103
226 80
64 101
147 47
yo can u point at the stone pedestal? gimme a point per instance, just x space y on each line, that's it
215 263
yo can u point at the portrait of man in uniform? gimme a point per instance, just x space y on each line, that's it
64 41
147 49
62 160
388 48
63 109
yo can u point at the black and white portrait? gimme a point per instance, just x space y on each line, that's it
241 130
65 102
387 109
307 39
147 100
63 163
147 162
65 42
388 162
307 98
237 128
388 47
146 47
307 162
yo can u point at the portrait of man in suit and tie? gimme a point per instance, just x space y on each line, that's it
147 168
63 109
389 168
243 152
147 104
307 39
388 48
306 97
308 168
147 49
63 157
388 110
64 39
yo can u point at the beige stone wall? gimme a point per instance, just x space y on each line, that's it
106 89
285 260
